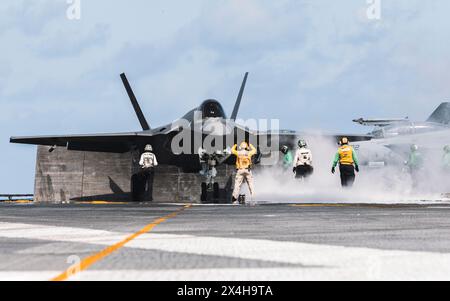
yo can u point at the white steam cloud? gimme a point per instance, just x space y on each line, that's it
389 184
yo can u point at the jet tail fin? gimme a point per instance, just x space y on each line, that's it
441 114
135 103
239 98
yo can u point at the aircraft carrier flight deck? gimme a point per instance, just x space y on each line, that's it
119 241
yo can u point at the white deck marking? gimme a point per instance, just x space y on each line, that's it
56 233
321 262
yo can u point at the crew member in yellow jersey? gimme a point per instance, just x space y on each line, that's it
244 154
348 163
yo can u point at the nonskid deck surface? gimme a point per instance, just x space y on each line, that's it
315 241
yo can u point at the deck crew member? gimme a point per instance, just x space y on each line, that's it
348 163
303 161
244 154
147 163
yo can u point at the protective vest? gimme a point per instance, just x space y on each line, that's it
346 155
303 156
415 160
288 159
244 157
148 160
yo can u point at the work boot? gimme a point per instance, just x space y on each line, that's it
252 202
234 201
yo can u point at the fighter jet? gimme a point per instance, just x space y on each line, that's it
210 113
392 138
387 128
205 127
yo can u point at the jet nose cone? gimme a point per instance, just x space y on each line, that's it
216 126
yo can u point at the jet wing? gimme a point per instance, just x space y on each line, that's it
111 143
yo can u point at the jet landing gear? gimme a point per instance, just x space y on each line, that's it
210 189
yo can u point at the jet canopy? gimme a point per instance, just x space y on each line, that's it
212 109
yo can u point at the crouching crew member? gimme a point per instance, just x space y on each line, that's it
348 163
148 163
303 161
244 154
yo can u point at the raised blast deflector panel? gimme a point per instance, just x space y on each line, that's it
63 176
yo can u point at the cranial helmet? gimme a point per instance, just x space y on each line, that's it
148 148
302 143
344 141
284 149
414 147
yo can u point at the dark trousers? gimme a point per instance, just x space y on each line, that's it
149 176
347 175
303 171
142 185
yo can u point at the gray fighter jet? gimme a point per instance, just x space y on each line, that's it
210 115
387 128
206 127
393 138
209 119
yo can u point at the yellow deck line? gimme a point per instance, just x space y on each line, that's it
18 202
89 261
357 205
102 203
319 205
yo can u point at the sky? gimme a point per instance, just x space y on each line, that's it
314 65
